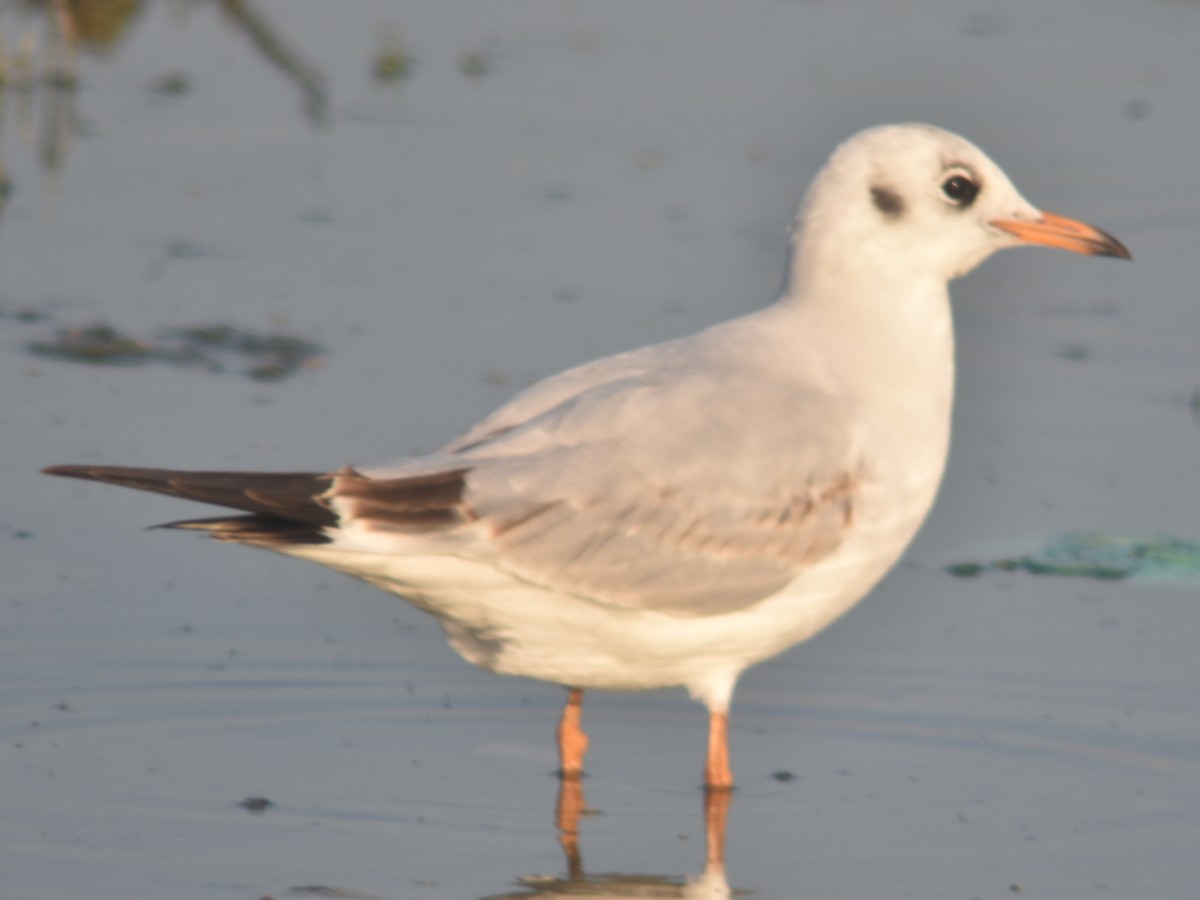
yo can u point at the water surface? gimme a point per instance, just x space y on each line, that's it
542 183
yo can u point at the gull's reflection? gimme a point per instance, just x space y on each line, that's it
710 884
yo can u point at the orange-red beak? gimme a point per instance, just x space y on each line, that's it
1052 230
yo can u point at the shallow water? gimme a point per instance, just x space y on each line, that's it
551 181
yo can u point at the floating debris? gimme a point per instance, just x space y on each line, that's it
474 64
1074 352
1101 555
95 345
392 61
25 316
256 805
182 248
215 348
273 357
966 570
1136 110
172 84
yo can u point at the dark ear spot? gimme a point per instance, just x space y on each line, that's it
887 201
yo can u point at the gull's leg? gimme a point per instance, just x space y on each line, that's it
718 776
572 742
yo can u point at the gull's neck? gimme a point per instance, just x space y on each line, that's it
886 326
872 290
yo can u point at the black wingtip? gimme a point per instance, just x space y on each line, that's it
68 471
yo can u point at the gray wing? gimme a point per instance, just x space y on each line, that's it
680 478
699 495
691 492
565 386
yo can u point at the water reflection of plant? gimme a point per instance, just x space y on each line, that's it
39 72
40 65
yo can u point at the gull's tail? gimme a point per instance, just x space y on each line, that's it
298 507
284 507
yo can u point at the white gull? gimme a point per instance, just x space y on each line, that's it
675 514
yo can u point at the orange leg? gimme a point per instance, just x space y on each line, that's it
718 776
572 742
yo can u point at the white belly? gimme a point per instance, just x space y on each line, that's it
510 626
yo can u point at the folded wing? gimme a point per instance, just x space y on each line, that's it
626 492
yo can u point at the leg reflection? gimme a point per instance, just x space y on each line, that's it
711 883
566 818
716 815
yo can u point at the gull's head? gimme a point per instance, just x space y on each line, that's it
913 201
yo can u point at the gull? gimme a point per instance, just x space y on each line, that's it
671 515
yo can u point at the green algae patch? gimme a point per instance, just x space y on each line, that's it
216 348
1105 556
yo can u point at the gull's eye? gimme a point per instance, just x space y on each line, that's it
960 190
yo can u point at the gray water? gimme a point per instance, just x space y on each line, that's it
548 182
